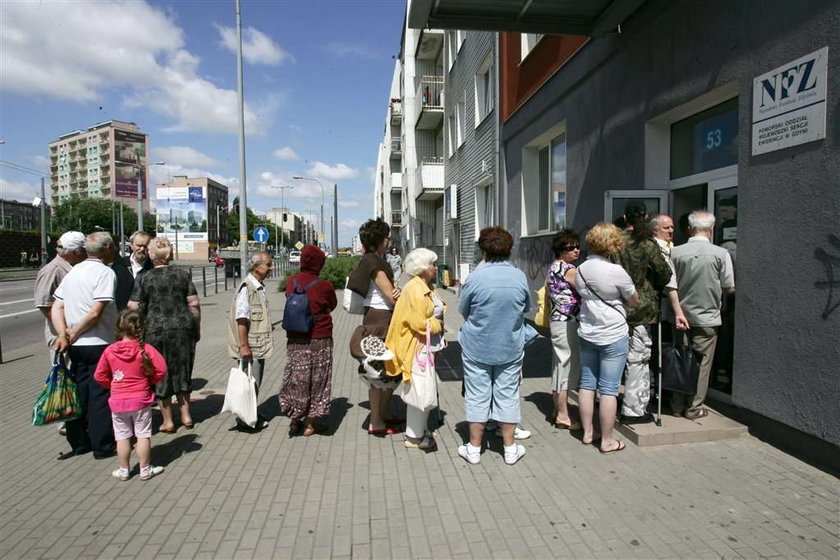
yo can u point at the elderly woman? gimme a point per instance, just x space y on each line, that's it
565 362
377 282
419 308
604 288
493 304
307 378
168 299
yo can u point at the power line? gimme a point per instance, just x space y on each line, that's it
23 169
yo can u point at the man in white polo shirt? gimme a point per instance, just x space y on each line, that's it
84 316
704 273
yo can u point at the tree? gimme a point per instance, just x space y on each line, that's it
94 214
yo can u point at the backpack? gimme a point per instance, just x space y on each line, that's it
297 316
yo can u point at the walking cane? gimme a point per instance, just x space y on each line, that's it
659 378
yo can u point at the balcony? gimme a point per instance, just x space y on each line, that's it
429 103
429 44
430 182
396 148
396 111
396 182
396 218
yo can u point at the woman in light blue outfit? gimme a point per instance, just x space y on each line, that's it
493 304
604 288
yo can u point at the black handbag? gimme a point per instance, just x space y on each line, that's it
680 367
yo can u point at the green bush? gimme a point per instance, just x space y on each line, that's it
335 271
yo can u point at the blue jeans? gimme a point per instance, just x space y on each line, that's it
601 366
492 391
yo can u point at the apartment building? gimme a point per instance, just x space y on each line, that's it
288 224
105 161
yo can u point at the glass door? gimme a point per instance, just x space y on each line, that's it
723 201
656 202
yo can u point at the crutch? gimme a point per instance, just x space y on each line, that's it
659 376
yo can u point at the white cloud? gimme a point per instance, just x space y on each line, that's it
81 51
302 189
370 173
162 174
22 192
338 172
183 156
257 47
348 203
41 163
286 153
342 49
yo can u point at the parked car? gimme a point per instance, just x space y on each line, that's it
294 257
218 261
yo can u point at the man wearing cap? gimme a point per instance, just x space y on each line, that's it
85 317
70 251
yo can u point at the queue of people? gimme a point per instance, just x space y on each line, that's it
600 318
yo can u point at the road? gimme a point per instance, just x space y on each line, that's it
22 324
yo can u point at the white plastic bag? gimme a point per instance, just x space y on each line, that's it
421 393
353 303
241 395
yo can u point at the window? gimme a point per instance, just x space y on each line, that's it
544 183
484 90
451 129
459 37
483 208
452 44
461 113
705 141
529 41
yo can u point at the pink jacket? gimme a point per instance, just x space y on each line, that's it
120 369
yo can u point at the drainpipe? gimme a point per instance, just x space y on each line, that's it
497 208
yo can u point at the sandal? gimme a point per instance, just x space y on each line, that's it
702 413
596 437
313 428
171 430
621 447
573 426
189 425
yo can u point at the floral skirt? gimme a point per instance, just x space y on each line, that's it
307 379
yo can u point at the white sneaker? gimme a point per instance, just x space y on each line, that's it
121 473
517 453
148 472
518 433
470 457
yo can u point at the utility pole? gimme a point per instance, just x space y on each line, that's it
243 191
335 220
43 224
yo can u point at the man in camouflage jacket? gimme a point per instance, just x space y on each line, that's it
643 261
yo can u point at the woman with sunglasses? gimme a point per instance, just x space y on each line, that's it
565 305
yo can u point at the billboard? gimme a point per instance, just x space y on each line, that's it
129 163
182 209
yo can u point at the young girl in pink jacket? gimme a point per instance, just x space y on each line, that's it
130 368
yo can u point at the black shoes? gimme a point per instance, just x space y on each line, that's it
643 419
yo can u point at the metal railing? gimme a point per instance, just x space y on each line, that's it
396 145
430 92
396 218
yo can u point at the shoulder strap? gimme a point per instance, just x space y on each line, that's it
308 286
582 277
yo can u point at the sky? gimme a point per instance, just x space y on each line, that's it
317 76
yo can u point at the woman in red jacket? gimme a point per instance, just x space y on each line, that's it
307 379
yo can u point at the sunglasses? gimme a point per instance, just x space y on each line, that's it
571 247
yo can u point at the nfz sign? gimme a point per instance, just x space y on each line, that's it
789 104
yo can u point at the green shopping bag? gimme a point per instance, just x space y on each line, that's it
59 400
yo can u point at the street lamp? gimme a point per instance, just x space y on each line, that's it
283 212
218 235
140 193
323 199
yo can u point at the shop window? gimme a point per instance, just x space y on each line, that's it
544 183
484 90
705 141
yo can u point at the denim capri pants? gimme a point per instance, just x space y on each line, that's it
492 390
601 366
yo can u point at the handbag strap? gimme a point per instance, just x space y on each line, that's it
582 277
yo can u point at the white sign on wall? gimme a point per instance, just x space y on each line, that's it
789 104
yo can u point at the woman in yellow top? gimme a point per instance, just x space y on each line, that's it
418 306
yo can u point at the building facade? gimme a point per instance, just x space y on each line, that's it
20 216
105 161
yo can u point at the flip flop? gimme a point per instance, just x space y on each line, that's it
596 437
189 425
572 427
171 430
621 447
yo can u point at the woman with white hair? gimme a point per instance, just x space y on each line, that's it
419 308
169 300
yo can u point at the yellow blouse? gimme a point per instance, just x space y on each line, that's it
408 325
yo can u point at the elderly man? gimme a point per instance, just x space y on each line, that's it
662 226
705 274
130 268
70 251
84 316
249 328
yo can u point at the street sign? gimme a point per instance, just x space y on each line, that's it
298 245
260 234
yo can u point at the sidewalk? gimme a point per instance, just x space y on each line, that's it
227 494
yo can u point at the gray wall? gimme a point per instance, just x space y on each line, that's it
787 355
464 168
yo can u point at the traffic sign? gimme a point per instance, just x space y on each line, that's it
298 245
260 234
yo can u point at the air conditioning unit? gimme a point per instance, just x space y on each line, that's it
450 202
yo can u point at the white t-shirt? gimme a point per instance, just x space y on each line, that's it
87 282
375 299
600 323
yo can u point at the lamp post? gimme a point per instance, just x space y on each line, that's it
140 174
218 234
323 198
283 212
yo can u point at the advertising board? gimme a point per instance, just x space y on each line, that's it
129 163
182 209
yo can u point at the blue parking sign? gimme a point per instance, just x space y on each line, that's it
260 234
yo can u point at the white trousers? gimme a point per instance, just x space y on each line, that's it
637 379
416 422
